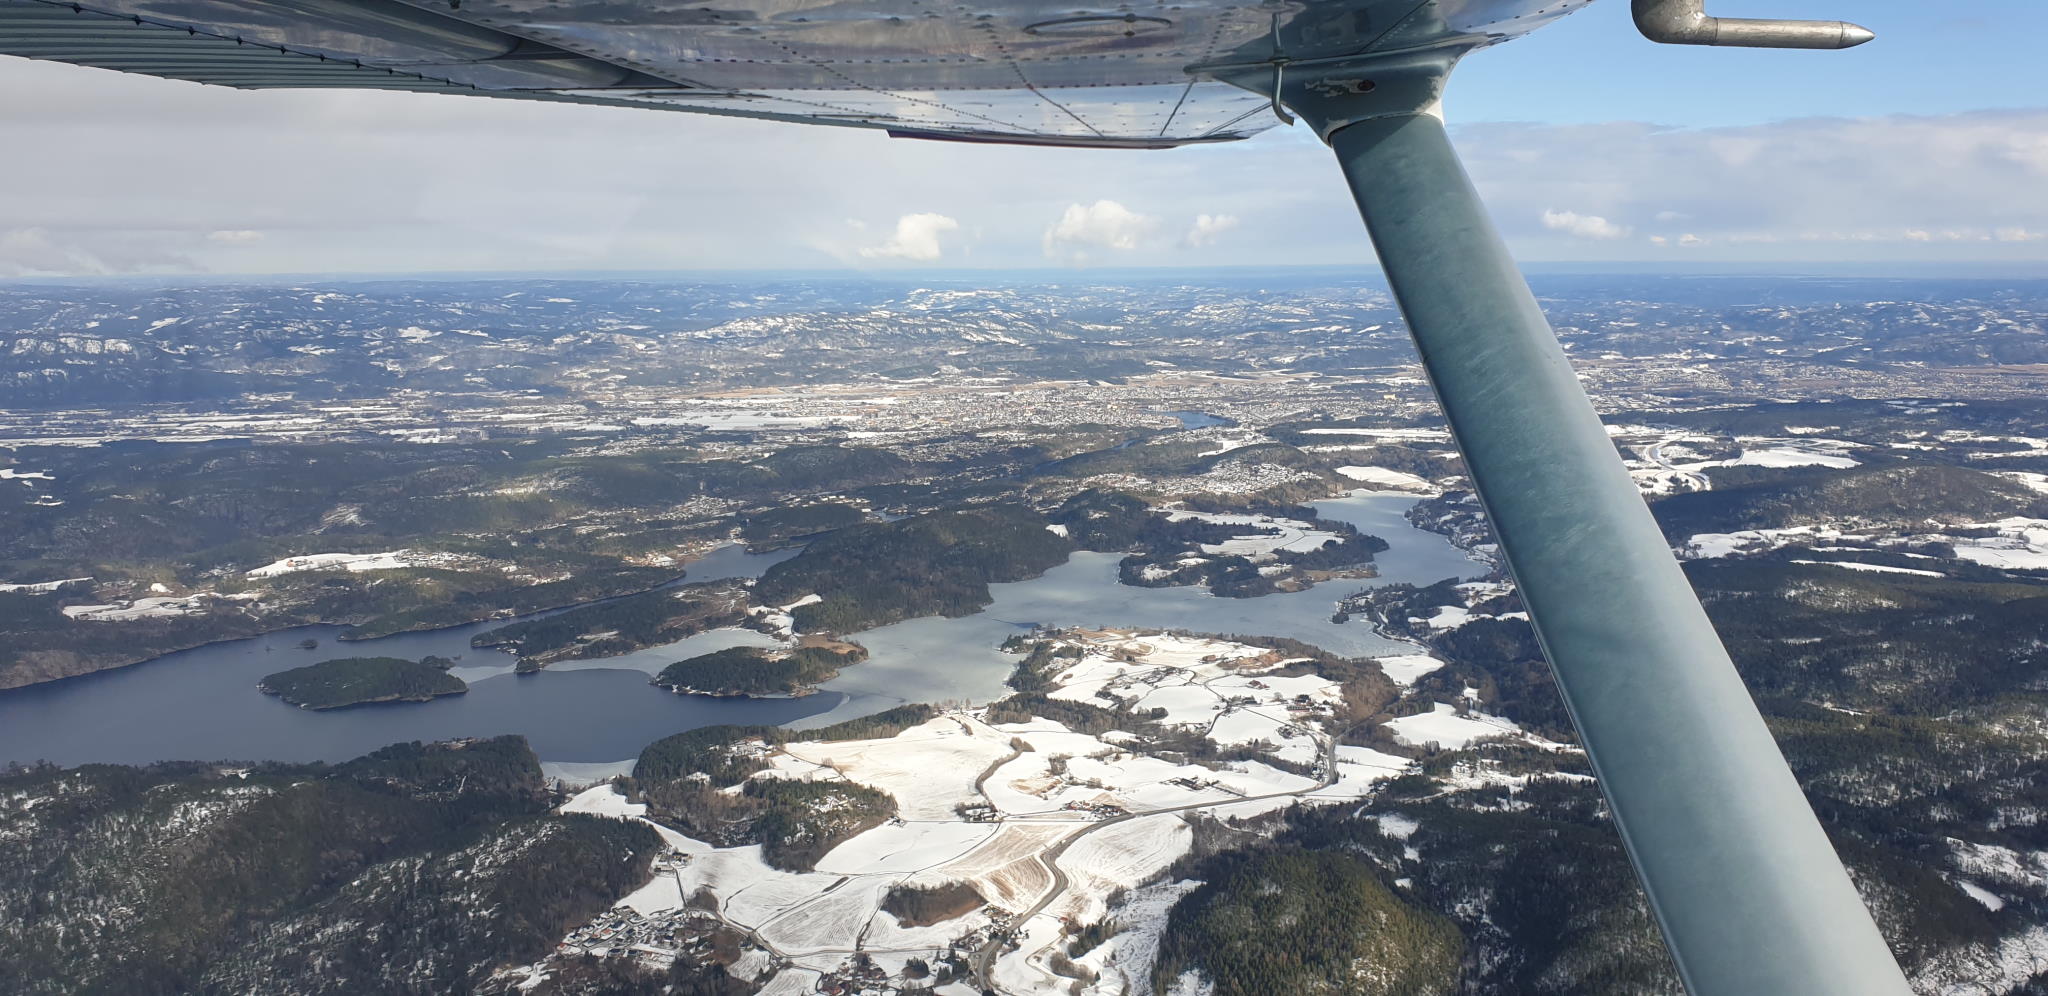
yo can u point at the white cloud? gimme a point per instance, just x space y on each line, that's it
234 235
1819 189
1583 226
916 238
38 251
1101 225
308 174
1207 229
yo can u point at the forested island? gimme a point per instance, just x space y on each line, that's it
351 681
618 626
758 671
1190 545
939 563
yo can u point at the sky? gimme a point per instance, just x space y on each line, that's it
1928 146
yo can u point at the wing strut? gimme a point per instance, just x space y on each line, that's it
1752 899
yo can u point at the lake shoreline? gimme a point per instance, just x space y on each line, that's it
203 703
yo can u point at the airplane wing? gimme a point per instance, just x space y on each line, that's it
1751 896
1032 71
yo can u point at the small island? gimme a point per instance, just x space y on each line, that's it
352 681
753 671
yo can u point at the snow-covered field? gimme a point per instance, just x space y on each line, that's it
1668 461
1435 435
40 585
1046 823
389 561
1293 536
1873 568
1391 480
2015 543
1445 728
2020 544
156 607
1403 670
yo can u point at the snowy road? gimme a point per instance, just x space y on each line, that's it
983 962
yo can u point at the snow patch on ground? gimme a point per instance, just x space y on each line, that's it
928 768
1708 546
1403 670
1875 568
1396 826
159 607
2004 865
2014 543
46 585
1449 617
1119 857
1788 456
583 774
1980 894
1293 536
1123 964
389 561
2038 482
1433 434
1987 970
1392 480
1450 731
2021 544
603 800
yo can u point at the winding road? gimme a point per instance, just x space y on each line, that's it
982 965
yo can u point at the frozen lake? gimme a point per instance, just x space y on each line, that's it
203 703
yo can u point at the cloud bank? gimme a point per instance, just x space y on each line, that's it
130 174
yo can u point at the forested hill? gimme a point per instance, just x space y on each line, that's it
1895 495
939 563
620 625
689 780
416 869
1306 922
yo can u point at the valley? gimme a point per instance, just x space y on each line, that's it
875 637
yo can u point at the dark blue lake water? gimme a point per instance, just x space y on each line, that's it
203 703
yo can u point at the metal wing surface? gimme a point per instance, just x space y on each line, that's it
1134 74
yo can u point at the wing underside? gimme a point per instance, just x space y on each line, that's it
1124 75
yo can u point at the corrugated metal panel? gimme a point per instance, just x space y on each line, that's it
65 33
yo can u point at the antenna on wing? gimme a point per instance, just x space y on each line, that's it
1685 22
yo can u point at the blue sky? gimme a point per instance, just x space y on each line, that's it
1926 146
1930 57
